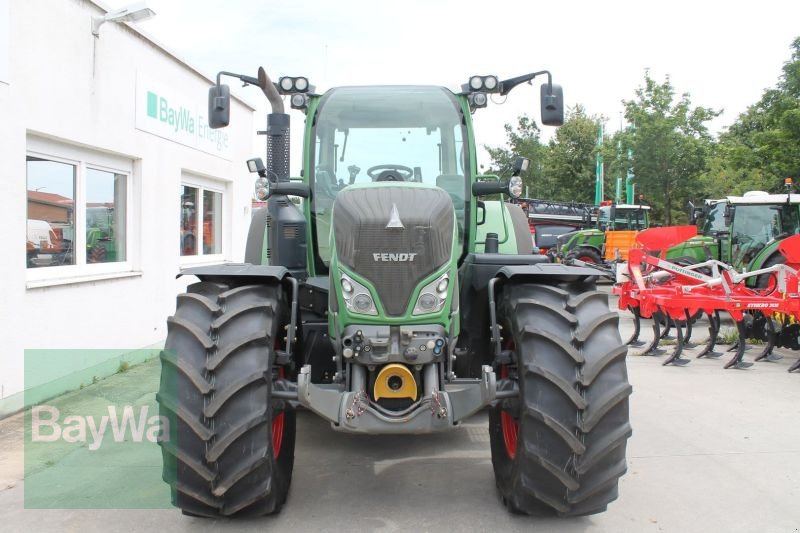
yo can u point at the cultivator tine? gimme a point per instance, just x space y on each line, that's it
713 331
687 336
637 328
741 345
675 358
667 327
772 338
652 348
795 366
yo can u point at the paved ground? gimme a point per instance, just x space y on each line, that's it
712 450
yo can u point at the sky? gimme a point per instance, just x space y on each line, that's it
724 54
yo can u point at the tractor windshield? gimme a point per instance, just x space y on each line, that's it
624 218
416 134
756 225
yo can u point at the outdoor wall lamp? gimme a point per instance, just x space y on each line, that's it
132 13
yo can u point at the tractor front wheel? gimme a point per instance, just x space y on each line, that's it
230 448
586 254
560 445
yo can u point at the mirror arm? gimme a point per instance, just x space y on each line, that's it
507 85
268 87
247 80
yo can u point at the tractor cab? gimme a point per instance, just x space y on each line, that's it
403 136
616 217
743 231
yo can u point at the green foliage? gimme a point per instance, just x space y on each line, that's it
563 169
670 144
522 140
569 163
763 146
673 156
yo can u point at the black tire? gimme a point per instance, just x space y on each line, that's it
216 386
767 283
586 254
571 416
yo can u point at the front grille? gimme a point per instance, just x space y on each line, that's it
360 220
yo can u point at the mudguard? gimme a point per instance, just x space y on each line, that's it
236 270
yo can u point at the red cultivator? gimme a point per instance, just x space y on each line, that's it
674 295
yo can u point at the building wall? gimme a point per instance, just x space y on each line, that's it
72 93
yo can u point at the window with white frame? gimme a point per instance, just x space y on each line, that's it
201 214
78 214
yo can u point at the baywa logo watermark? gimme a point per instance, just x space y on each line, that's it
129 425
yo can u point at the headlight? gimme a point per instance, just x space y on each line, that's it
262 189
475 83
432 296
357 297
515 187
490 82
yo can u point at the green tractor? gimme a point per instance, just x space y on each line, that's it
743 231
391 301
616 225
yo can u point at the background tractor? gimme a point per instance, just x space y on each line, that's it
611 238
400 299
743 231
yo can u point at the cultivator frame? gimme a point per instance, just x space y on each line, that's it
675 296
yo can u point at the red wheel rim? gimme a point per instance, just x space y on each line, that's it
277 425
277 434
586 259
509 426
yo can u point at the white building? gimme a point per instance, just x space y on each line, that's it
114 181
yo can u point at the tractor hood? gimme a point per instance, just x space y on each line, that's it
394 236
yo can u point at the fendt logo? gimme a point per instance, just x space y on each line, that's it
408 257
180 119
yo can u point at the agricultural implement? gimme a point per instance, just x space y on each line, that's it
675 296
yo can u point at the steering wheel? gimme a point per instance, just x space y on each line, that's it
390 172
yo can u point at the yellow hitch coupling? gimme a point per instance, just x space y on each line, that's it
395 381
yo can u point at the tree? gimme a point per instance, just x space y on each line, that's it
562 170
670 144
570 159
521 141
763 146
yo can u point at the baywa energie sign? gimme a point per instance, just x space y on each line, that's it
162 111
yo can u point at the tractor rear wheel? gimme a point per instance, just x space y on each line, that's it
560 445
230 449
586 254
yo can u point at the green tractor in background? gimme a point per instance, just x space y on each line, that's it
396 300
743 231
616 226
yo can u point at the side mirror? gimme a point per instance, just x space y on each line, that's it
692 213
219 106
552 100
727 215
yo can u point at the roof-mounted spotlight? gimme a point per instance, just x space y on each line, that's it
290 84
482 83
131 13
299 101
477 100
